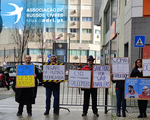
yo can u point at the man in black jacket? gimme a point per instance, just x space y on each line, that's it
52 87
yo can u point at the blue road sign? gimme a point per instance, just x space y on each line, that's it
49 56
139 41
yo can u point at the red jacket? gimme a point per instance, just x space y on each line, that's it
86 67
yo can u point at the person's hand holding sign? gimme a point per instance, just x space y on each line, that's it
35 75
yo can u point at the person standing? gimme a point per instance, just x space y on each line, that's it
92 91
137 72
74 66
52 87
26 96
79 66
120 95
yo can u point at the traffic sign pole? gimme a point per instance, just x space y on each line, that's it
139 42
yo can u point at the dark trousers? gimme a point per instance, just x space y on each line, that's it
29 108
87 92
142 104
56 99
120 99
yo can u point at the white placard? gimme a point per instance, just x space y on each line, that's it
101 76
79 78
146 67
53 72
120 68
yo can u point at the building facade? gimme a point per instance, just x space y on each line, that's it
78 30
121 21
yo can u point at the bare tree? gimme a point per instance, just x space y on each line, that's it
40 43
21 38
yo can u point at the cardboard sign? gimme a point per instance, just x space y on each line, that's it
120 68
53 72
79 78
137 88
146 67
101 76
25 76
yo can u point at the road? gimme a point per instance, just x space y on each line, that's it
8 109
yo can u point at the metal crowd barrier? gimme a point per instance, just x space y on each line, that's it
105 97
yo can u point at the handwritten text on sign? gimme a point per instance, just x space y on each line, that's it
120 68
25 76
25 81
146 67
79 78
53 72
101 76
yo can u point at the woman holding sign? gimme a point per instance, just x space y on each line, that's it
26 96
137 72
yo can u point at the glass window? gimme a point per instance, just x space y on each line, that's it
47 30
126 2
84 31
97 31
90 19
108 19
83 52
74 52
87 19
84 19
59 29
75 19
90 31
78 18
71 18
74 30
114 10
91 52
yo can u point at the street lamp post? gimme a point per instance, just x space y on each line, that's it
80 54
69 48
69 45
4 54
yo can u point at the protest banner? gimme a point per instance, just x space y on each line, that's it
146 67
137 88
53 73
101 76
120 68
79 78
25 76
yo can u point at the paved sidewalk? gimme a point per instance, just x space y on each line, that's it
8 110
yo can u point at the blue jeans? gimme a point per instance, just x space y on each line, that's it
48 98
120 98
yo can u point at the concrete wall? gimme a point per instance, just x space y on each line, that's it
140 26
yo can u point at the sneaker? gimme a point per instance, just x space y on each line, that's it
96 114
46 112
19 114
84 114
29 114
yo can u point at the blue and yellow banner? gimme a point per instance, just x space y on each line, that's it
25 76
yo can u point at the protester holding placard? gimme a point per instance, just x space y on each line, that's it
52 87
92 91
137 72
120 95
26 96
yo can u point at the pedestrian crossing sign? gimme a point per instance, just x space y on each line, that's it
139 41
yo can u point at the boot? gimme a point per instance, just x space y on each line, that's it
123 114
118 114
